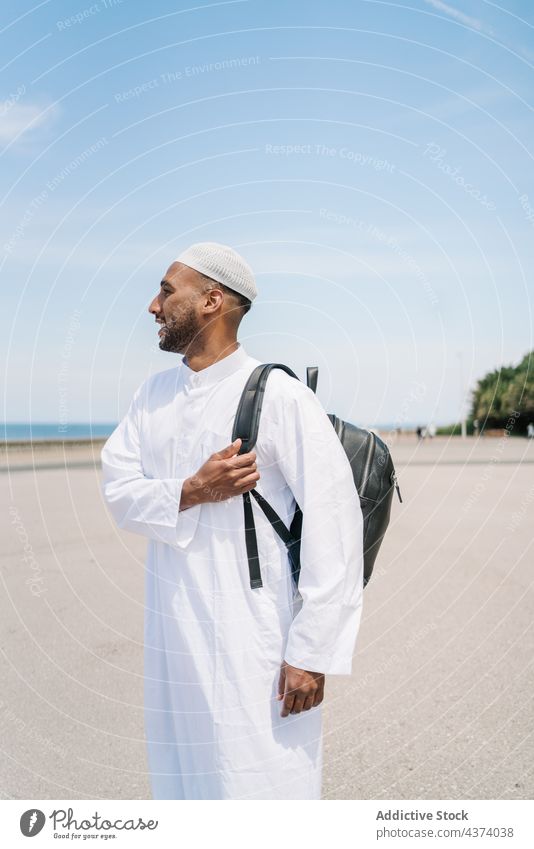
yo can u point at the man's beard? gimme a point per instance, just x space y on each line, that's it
179 332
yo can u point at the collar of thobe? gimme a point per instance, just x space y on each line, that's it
216 371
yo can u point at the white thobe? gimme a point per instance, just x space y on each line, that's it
213 645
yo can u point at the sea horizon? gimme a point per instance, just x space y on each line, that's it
44 431
55 431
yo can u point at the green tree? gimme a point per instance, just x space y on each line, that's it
519 395
505 391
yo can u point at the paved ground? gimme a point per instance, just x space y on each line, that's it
440 701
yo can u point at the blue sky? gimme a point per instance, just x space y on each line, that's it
371 160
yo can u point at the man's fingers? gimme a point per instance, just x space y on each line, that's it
289 700
281 683
248 482
318 697
229 451
303 690
248 459
308 703
298 704
287 694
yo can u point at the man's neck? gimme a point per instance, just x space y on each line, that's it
199 360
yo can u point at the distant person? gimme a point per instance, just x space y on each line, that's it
432 430
530 430
419 432
476 427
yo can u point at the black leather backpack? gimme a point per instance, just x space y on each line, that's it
372 469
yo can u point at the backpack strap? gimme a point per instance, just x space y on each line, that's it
290 538
252 544
274 518
246 425
312 373
247 418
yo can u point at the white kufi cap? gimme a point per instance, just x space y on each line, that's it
222 264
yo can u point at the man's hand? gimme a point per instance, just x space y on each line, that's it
299 689
222 476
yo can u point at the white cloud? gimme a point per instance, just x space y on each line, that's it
18 119
455 13
481 27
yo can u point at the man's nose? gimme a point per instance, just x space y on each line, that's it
154 307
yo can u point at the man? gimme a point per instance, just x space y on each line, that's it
234 676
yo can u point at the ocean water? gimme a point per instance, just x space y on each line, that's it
32 432
37 432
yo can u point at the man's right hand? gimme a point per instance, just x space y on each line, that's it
222 476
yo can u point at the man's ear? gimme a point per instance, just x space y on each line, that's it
213 299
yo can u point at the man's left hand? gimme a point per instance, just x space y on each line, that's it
299 689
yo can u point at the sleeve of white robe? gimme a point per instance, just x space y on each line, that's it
143 505
323 633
